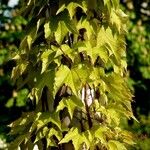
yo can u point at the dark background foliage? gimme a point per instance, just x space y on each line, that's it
13 101
138 57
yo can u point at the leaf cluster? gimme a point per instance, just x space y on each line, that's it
72 59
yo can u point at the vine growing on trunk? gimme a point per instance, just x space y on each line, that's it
73 60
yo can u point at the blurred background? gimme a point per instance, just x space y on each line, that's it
13 102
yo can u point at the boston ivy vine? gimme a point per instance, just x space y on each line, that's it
73 61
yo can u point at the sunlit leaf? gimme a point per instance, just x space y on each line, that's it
47 29
61 32
70 103
69 78
70 135
47 57
115 145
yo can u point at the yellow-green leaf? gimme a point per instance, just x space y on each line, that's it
116 145
61 32
47 29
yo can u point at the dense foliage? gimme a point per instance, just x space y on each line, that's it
72 60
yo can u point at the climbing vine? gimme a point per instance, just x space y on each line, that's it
73 61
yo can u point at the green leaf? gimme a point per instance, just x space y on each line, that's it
54 20
50 27
114 116
45 79
83 72
61 32
96 51
71 27
84 23
65 76
116 21
116 145
31 33
51 143
48 134
71 7
62 8
70 24
52 132
96 76
47 57
44 118
74 77
10 103
72 133
75 136
112 146
66 49
18 70
78 138
127 137
116 87
41 134
21 97
113 42
123 17
47 29
70 103
107 3
115 3
15 144
100 133
88 138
